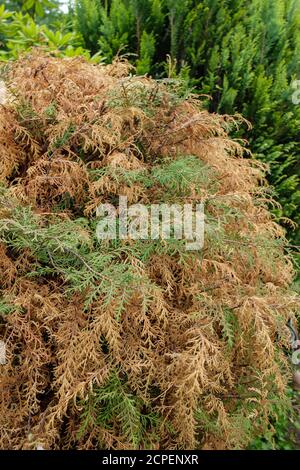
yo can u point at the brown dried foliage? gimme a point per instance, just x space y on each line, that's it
65 118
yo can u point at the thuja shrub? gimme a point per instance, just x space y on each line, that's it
132 344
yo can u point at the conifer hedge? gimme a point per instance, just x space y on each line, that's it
133 343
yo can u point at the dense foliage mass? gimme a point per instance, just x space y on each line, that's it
244 54
133 343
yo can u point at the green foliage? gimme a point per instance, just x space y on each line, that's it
146 53
283 435
115 403
37 8
66 248
20 32
230 325
115 28
244 55
5 307
182 175
87 18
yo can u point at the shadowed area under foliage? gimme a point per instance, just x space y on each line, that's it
133 343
